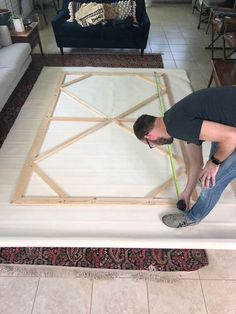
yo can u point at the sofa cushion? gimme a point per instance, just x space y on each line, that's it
6 78
5 37
14 56
116 31
72 30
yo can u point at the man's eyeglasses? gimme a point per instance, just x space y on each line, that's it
150 144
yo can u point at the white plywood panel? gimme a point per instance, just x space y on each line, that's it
36 184
69 107
60 131
152 108
100 225
110 95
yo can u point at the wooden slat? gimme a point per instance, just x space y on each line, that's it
26 170
138 106
146 79
158 202
79 79
39 200
70 141
74 119
131 120
113 73
84 103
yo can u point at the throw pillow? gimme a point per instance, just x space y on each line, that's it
134 11
125 9
91 13
72 7
111 11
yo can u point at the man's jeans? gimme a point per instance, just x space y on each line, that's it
209 197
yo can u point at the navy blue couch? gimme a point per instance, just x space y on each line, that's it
123 34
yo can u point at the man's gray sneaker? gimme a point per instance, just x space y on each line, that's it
177 220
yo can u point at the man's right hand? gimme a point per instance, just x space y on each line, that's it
186 198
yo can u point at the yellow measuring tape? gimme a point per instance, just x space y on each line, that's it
169 146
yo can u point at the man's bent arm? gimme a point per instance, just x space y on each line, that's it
196 164
224 135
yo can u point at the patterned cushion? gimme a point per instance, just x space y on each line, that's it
91 13
125 9
134 5
120 10
111 11
72 7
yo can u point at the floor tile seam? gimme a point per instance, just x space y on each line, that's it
218 279
171 53
162 275
61 277
20 276
158 278
174 279
201 76
198 274
91 298
148 301
204 298
35 296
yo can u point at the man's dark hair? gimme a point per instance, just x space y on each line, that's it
143 125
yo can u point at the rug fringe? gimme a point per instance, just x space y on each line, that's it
9 270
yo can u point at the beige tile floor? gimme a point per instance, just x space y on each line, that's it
173 33
211 290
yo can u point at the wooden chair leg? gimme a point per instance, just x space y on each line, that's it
211 79
200 16
224 50
209 21
194 6
212 41
54 4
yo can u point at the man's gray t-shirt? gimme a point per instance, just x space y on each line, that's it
184 120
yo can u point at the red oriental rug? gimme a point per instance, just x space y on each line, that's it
106 258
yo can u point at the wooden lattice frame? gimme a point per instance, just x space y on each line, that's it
34 157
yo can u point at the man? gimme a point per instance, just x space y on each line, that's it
205 115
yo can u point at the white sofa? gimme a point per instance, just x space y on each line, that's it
14 60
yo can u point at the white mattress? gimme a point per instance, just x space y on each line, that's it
93 225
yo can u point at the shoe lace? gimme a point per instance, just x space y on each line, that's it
182 224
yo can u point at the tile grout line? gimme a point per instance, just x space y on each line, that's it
36 292
148 297
205 303
91 298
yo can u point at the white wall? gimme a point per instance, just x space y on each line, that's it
27 6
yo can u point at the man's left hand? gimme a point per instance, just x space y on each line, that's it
208 174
